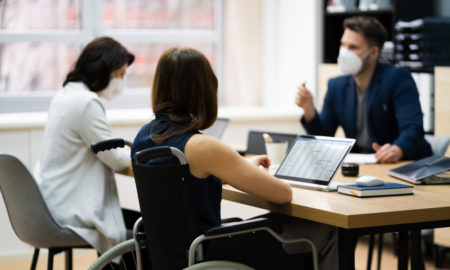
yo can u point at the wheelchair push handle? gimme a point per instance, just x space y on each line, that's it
158 152
109 144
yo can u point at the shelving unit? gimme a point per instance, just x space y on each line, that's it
400 10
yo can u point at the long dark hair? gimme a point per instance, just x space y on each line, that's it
184 87
98 59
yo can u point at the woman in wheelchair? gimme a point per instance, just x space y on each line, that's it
184 101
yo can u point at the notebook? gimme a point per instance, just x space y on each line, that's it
388 189
257 146
312 161
218 128
424 171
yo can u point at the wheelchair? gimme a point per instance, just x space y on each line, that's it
170 237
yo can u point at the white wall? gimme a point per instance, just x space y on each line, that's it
291 48
271 47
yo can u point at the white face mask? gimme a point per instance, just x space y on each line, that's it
349 63
114 88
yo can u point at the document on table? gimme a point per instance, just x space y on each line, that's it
360 158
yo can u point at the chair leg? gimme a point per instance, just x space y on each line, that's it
437 256
68 255
51 254
380 250
395 240
35 258
370 252
441 255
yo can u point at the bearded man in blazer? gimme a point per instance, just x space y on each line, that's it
378 104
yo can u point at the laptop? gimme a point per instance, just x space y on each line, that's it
217 129
257 146
429 170
312 161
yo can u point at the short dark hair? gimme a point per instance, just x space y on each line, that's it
373 31
184 87
98 59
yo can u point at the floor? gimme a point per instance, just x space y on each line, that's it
83 258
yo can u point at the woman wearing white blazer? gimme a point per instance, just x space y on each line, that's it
78 185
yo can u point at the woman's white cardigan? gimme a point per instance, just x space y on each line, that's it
79 186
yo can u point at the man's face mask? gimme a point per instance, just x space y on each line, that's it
349 63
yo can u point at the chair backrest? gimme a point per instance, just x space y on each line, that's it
439 144
165 199
28 213
257 146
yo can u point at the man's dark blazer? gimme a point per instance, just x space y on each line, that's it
393 111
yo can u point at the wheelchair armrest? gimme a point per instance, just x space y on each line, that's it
244 225
232 219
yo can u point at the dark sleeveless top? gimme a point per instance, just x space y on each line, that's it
207 191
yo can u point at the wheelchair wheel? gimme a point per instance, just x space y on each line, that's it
219 265
107 258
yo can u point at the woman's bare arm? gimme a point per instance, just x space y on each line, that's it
208 156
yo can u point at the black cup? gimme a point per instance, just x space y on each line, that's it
350 169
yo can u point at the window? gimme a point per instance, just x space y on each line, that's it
263 40
41 39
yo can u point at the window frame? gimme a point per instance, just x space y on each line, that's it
92 27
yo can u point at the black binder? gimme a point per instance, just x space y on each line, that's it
429 170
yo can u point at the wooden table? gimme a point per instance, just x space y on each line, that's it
429 207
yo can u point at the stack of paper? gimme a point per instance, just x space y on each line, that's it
360 158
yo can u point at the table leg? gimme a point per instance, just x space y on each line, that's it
370 251
347 244
403 250
380 250
416 251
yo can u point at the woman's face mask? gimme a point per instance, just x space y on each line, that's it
349 63
114 88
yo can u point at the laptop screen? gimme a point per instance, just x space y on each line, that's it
314 159
257 146
218 128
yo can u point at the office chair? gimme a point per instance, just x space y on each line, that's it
29 215
170 223
439 144
441 241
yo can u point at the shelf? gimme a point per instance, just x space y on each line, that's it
406 10
359 12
